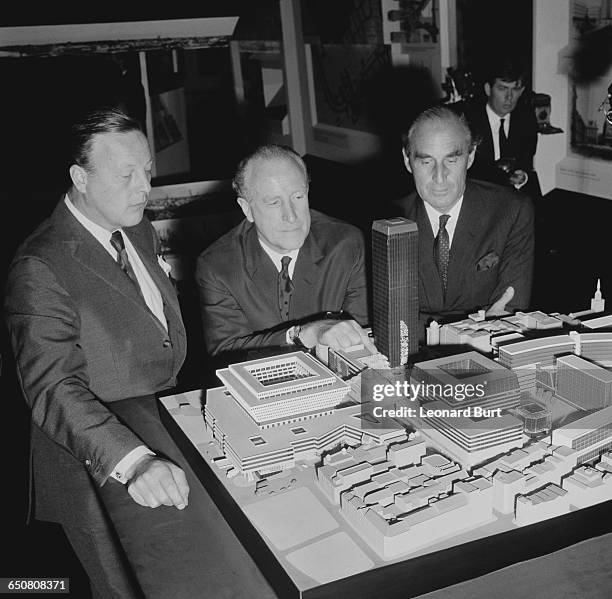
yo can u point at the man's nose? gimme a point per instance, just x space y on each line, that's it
143 182
439 173
288 211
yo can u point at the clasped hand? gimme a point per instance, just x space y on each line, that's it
154 481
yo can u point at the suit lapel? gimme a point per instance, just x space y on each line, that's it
431 285
261 271
305 276
514 134
149 259
485 148
89 252
462 248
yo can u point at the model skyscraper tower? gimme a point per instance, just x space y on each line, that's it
395 270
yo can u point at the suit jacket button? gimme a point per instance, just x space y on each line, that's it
167 343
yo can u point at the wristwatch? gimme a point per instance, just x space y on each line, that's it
294 336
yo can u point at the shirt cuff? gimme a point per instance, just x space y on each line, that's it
287 338
128 461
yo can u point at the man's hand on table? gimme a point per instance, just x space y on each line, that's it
338 334
153 481
499 307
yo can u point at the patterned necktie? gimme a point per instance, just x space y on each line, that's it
122 258
442 250
503 140
285 288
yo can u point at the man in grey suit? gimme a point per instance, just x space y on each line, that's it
275 278
96 330
475 239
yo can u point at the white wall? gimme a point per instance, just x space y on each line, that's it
551 27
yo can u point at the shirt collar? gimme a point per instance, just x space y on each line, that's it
434 215
494 119
100 233
275 256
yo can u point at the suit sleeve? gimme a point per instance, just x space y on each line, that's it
225 325
483 171
355 299
516 264
44 326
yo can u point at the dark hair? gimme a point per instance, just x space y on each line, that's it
439 113
505 69
265 152
95 122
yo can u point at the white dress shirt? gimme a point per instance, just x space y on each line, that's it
451 223
494 124
276 257
152 297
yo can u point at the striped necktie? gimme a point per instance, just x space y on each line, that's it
123 259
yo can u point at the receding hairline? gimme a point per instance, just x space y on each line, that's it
258 159
442 121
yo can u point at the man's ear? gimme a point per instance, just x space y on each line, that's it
406 160
471 155
487 89
246 208
79 177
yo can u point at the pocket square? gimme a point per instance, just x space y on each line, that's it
164 265
488 261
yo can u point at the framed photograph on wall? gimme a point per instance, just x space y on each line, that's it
588 165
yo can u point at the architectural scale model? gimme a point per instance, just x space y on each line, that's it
459 464
487 335
395 287
276 411
399 499
470 429
482 443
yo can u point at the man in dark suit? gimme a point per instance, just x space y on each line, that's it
507 132
96 330
271 280
475 239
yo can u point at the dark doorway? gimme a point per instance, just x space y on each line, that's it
486 27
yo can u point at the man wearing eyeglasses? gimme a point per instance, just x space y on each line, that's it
286 275
507 132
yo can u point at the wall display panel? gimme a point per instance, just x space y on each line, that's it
587 166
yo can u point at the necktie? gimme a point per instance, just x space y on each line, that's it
442 250
122 258
503 140
285 288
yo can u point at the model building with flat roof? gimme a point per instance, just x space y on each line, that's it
395 286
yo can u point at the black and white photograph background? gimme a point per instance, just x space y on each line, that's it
200 120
